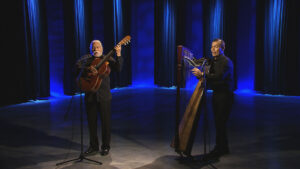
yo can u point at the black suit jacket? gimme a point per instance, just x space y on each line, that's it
220 74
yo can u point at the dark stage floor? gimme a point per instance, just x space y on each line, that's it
263 131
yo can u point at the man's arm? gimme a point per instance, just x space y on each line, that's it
116 64
81 64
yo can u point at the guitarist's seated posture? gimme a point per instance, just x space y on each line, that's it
99 100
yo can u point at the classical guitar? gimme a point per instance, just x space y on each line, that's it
90 82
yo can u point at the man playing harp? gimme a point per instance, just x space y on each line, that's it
219 77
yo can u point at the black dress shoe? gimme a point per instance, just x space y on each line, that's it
104 151
91 151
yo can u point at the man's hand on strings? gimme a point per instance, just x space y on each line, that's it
197 72
93 70
118 49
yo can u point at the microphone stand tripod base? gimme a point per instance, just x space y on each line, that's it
79 159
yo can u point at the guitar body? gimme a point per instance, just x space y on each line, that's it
88 82
91 83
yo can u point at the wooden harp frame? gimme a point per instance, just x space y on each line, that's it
185 130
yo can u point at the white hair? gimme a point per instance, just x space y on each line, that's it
95 41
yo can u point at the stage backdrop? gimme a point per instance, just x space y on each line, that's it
44 38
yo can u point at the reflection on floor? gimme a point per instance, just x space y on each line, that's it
263 133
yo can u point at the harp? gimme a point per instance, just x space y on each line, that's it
185 129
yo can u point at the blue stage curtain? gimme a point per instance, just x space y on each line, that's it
25 69
275 18
37 54
98 11
118 20
220 21
77 37
230 30
117 23
55 25
291 60
121 28
245 44
82 45
189 33
213 19
165 43
142 44
13 51
278 48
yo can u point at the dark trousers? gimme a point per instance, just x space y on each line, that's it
222 103
92 109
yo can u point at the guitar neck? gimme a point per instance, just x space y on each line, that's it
124 41
105 58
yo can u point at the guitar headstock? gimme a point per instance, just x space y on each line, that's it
125 40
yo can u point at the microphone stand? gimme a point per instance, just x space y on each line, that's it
81 156
205 120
